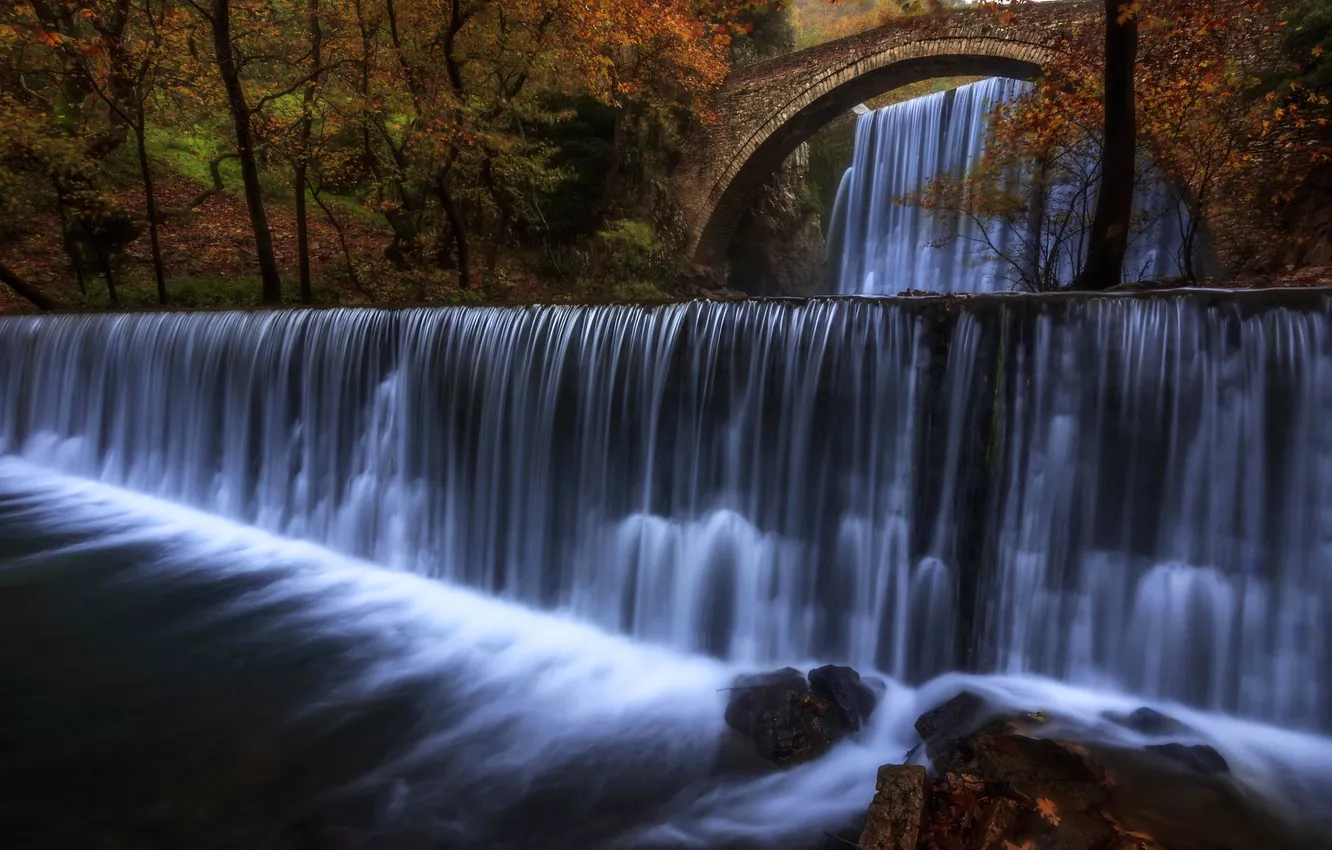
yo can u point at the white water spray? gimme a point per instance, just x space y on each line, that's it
528 730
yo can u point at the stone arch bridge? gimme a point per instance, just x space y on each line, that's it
768 109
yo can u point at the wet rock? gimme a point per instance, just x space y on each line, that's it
1032 770
999 823
1149 721
944 730
784 719
1011 785
1199 758
957 717
898 811
876 685
842 686
1184 809
1020 759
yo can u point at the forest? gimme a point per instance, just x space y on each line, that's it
238 152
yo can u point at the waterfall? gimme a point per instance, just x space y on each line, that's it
1129 492
269 693
880 245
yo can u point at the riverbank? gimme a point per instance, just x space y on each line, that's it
237 296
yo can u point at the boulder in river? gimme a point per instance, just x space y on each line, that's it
784 719
790 719
945 728
843 687
1150 722
1198 757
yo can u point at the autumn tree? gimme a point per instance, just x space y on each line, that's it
1197 117
1041 177
445 117
125 68
480 81
24 142
230 63
1297 127
1031 197
303 149
28 145
73 58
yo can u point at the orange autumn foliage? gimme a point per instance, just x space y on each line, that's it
1199 62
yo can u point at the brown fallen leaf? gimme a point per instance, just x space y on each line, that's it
1048 810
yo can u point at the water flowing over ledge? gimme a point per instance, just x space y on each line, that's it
879 245
1116 491
170 674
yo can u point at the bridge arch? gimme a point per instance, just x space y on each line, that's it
769 109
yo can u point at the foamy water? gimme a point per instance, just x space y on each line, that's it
490 724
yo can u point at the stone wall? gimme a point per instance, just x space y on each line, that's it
779 245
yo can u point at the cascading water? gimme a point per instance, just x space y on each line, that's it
1116 492
173 679
881 243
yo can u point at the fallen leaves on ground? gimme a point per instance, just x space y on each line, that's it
1048 810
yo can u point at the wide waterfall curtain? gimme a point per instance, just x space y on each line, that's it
1131 490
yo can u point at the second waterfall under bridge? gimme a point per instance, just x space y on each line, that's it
882 238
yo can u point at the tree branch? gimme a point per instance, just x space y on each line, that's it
25 290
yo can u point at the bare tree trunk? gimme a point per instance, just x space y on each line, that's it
459 227
240 115
342 242
150 206
103 262
505 215
457 222
25 290
302 237
613 168
1187 250
1036 209
303 154
1109 236
367 155
68 241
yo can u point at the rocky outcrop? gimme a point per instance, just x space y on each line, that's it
779 246
1004 781
849 694
1149 721
898 811
788 719
943 730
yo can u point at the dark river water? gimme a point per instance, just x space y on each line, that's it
172 679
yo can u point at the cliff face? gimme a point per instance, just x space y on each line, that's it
779 247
